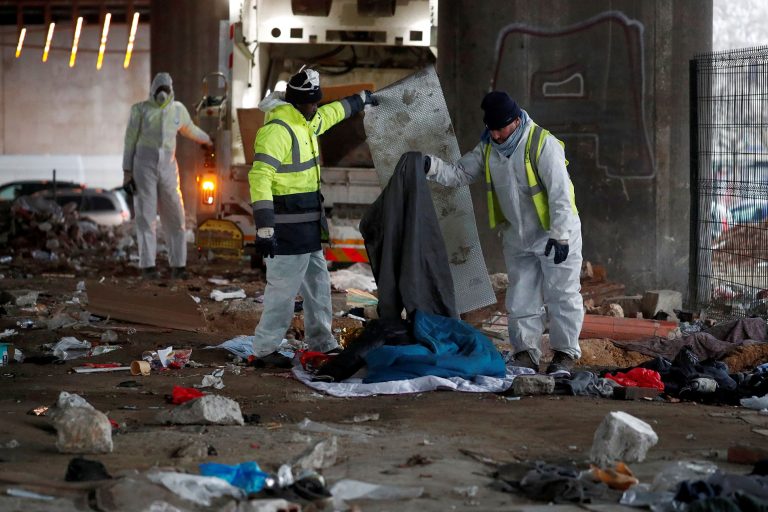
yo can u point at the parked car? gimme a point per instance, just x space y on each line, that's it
10 191
104 207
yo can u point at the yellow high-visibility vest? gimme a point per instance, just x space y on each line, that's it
536 137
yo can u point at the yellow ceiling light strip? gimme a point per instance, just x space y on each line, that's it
131 39
75 42
22 35
103 45
48 39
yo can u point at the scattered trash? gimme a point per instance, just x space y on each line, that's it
180 395
248 476
13 443
7 333
70 348
349 490
313 426
416 460
40 410
196 449
214 380
194 488
620 477
359 276
100 368
670 476
167 358
109 336
362 418
621 436
754 402
140 368
218 281
21 493
227 294
84 470
320 456
466 492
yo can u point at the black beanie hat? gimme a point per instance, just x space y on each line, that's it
500 110
301 89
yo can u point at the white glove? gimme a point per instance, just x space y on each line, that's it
265 232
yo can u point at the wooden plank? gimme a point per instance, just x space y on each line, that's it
151 307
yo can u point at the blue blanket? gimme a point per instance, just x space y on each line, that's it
446 347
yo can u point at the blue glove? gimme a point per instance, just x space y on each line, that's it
561 250
266 247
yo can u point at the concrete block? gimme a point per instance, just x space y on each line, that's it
525 385
21 298
622 437
630 304
667 301
82 430
207 410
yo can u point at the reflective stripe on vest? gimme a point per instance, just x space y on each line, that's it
536 137
295 166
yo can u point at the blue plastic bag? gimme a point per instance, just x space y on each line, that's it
247 476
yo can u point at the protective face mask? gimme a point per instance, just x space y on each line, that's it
161 97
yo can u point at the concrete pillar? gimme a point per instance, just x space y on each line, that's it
616 92
185 43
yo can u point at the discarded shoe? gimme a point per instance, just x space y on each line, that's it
179 273
524 360
150 273
561 365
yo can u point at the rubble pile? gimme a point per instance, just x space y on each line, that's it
48 233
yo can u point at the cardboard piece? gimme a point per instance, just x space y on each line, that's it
152 307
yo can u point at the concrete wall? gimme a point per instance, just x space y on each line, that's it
615 91
185 43
48 107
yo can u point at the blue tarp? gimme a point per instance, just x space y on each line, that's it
446 347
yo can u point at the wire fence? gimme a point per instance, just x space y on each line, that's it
729 183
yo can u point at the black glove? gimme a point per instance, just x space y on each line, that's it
130 187
369 98
561 250
266 247
427 164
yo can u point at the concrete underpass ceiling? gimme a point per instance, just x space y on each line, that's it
42 12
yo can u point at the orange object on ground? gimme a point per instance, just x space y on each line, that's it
620 478
626 329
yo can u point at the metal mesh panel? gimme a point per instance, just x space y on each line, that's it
729 183
412 116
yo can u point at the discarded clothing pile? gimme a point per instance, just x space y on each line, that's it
688 378
714 343
410 265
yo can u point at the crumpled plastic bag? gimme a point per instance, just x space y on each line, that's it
638 377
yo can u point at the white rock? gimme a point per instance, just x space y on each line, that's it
622 437
82 430
207 410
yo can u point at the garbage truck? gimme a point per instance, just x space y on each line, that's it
355 45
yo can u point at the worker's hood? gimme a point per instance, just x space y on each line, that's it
160 80
272 101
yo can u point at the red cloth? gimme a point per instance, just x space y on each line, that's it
181 395
638 377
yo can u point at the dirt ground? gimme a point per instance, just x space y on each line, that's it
435 425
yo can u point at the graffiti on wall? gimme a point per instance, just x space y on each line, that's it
585 83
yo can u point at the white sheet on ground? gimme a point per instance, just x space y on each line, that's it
356 387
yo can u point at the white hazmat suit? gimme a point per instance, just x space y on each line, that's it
534 279
150 155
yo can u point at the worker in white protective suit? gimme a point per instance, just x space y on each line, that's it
151 173
531 199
